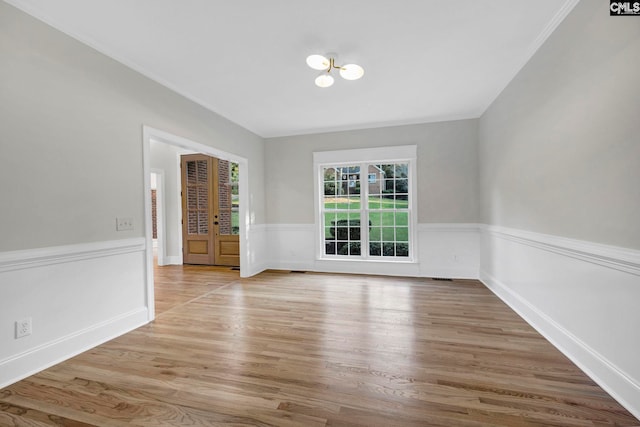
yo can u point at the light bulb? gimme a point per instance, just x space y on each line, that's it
324 80
351 72
317 62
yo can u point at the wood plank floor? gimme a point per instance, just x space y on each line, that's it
290 349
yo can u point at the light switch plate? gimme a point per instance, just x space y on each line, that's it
124 223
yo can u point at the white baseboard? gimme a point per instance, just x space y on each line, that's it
172 260
78 296
34 360
255 269
580 296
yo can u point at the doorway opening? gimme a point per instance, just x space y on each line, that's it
169 210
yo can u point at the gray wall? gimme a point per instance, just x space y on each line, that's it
447 169
560 149
71 127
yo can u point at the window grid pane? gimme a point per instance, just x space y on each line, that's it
386 209
341 210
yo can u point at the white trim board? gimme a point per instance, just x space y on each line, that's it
39 257
615 257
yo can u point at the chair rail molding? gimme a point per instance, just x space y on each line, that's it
39 257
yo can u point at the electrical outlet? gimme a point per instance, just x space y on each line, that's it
124 223
23 327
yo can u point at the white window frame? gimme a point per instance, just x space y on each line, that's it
378 155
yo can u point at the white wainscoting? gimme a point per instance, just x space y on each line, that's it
78 296
583 297
444 250
290 246
257 252
449 250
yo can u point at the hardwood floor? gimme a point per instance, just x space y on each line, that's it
290 349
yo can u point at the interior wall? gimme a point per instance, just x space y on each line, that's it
447 169
71 162
86 146
165 157
560 153
559 159
447 199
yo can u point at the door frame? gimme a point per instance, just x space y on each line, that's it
152 134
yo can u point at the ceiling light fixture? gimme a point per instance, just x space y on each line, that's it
326 65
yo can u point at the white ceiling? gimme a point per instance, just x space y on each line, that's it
424 60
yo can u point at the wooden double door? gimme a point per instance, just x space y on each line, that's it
210 218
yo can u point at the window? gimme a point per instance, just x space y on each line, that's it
234 173
228 198
366 207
